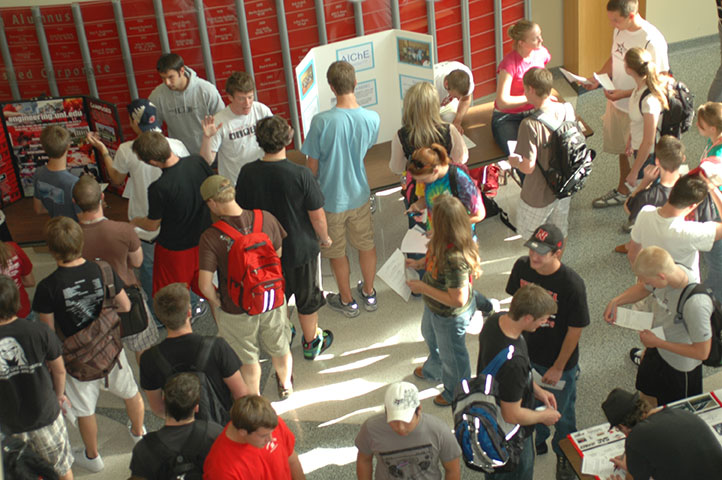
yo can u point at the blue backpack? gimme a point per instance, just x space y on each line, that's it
488 443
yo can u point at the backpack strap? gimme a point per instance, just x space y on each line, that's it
688 291
156 446
228 229
195 440
204 354
493 367
642 97
453 182
106 275
159 360
550 121
257 220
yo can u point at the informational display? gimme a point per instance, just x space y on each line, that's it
387 64
24 121
25 52
9 188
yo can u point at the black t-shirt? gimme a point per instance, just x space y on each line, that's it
657 195
74 295
288 191
514 377
673 444
181 352
145 464
26 388
175 198
568 289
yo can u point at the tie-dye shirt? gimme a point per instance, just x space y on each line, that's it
466 192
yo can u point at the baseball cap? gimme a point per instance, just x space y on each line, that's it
547 238
213 185
619 404
143 112
402 399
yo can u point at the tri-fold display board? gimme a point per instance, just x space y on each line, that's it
387 64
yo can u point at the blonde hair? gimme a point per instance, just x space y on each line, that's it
452 232
640 62
519 31
652 261
421 115
711 114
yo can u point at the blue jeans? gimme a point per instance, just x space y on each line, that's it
505 127
713 259
566 404
525 470
482 303
448 359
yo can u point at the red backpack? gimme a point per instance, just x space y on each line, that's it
255 278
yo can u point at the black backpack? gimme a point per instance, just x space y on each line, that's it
571 159
715 354
490 206
210 407
21 462
678 118
488 443
186 464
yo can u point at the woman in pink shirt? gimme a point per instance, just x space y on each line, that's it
511 106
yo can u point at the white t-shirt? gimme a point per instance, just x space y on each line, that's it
235 141
647 37
681 238
694 329
441 70
141 175
650 105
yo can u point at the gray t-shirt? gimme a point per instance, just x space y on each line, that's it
415 456
694 327
55 190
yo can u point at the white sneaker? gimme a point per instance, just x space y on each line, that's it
136 438
94 465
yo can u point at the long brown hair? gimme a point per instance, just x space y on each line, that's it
6 253
640 62
452 231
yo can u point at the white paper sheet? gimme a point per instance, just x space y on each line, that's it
573 78
511 144
600 467
393 272
634 319
414 241
538 379
605 81
469 142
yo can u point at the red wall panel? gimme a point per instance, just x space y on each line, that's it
25 52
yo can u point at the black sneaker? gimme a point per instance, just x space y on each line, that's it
565 470
542 448
323 340
635 355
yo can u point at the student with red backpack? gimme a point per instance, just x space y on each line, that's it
244 248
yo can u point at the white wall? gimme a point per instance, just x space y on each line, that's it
549 14
679 20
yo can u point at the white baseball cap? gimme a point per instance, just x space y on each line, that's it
402 399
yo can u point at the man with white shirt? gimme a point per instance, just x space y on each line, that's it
231 133
455 85
671 367
666 226
630 30
143 118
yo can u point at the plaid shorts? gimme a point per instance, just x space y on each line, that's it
142 341
528 218
51 443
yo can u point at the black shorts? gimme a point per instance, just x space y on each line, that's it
304 282
656 378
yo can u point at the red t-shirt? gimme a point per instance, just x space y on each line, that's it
18 266
229 460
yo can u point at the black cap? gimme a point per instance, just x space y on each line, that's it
619 404
547 238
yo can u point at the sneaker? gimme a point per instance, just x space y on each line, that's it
440 401
349 309
136 438
610 199
94 465
627 226
635 355
564 469
320 344
369 300
283 392
542 448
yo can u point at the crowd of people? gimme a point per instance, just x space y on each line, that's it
192 234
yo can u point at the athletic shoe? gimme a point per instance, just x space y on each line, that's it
283 393
541 448
610 199
94 465
323 340
136 438
440 401
564 469
349 309
627 226
635 355
370 304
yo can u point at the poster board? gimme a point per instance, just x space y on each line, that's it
387 64
23 121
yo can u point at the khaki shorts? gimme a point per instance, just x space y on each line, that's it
244 333
359 226
616 129
83 396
